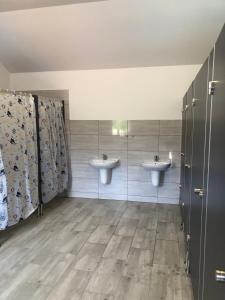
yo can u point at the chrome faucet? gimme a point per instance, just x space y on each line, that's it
104 156
156 158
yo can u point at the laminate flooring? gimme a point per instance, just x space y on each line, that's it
95 250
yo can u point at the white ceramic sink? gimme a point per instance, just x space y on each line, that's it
105 167
156 167
104 163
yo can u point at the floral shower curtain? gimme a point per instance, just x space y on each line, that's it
18 159
54 159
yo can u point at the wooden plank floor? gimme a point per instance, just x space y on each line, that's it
96 250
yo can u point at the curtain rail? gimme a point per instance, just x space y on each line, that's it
6 91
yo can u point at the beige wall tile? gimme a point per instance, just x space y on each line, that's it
115 187
138 188
143 143
138 173
143 127
113 197
169 190
86 185
83 170
170 127
142 199
82 156
112 143
170 143
86 142
83 127
106 127
164 200
74 194
171 175
135 158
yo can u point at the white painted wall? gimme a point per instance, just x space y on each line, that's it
131 93
4 77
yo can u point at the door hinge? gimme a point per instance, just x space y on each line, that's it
212 87
186 107
194 100
188 237
199 192
220 276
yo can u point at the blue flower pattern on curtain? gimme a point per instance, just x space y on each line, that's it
54 154
18 159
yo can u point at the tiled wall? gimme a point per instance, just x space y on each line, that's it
142 141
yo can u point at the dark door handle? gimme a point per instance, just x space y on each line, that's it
199 192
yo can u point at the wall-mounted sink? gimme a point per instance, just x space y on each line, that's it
105 167
156 167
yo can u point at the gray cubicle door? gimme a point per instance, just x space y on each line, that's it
214 259
182 173
187 160
199 140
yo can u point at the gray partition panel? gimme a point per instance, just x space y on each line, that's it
199 119
215 217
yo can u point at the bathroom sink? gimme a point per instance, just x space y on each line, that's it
104 163
156 167
105 167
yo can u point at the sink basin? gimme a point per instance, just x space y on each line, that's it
105 167
104 163
156 167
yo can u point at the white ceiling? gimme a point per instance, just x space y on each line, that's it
7 5
110 34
